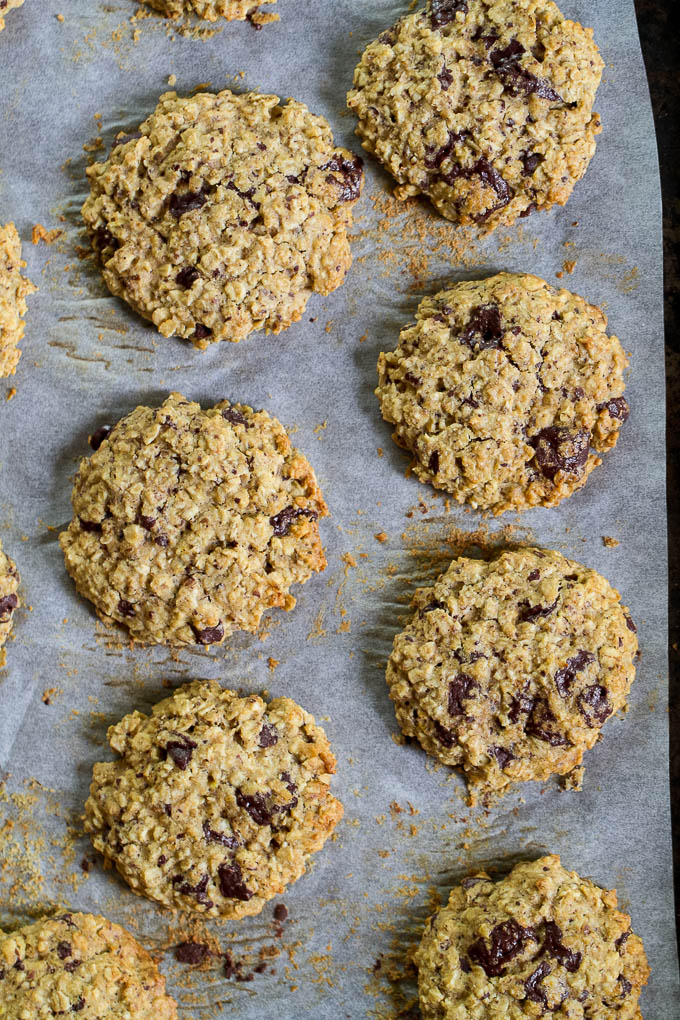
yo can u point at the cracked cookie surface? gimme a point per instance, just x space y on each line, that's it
542 941
9 595
80 965
223 214
217 800
5 7
510 667
189 524
213 10
505 390
14 289
485 106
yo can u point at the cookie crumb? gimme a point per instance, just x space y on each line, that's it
610 542
574 779
381 536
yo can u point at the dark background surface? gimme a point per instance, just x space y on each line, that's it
659 36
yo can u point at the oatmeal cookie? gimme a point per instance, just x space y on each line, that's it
485 106
223 214
189 524
542 941
510 668
79 965
505 390
216 802
14 289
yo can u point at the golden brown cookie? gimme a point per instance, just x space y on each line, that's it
505 390
485 106
223 214
216 802
14 289
509 668
541 942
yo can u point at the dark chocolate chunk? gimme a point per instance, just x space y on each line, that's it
489 175
445 78
594 705
209 635
521 705
565 677
233 416
351 174
515 78
460 688
258 806
484 330
126 608
617 407
447 738
180 751
78 1006
435 157
507 941
553 946
98 437
146 522
64 949
8 604
213 836
282 521
232 885
187 276
280 912
90 525
620 942
530 160
534 575
192 952
443 12
560 449
533 983
103 238
201 332
198 891
247 196
502 755
433 462
527 613
630 625
539 721
268 735
625 985
186 201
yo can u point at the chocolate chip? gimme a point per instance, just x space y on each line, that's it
532 985
8 604
351 172
435 157
484 330
247 196
560 449
521 705
527 613
162 540
90 525
191 952
72 965
187 276
180 751
445 737
594 705
64 949
445 78
233 416
268 735
617 407
78 1006
433 462
209 635
280 912
502 755
515 78
630 625
490 176
565 677
538 724
198 891
460 688
98 437
257 805
126 608
282 521
530 160
507 940
179 204
432 606
620 942
553 946
443 12
213 836
232 885
534 575
103 238
201 332
625 985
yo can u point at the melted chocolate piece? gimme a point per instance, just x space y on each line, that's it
179 204
99 435
443 12
507 941
553 946
534 575
617 407
209 635
435 157
351 172
280 912
484 330
560 449
198 891
180 751
445 78
187 276
445 737
213 836
530 160
521 705
625 985
489 175
565 677
103 238
232 885
532 985
620 942
126 608
538 724
630 625
146 522
192 952
268 736
78 1006
527 613
516 80
247 196
460 688
64 949
282 521
8 604
233 416
201 332
594 705
502 755
257 805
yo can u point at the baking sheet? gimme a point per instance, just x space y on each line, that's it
407 833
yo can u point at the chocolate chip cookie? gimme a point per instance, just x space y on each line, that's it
510 667
542 941
79 965
212 10
14 289
485 106
223 214
216 802
5 7
505 390
9 596
189 524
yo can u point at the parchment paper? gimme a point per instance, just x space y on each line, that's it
88 360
